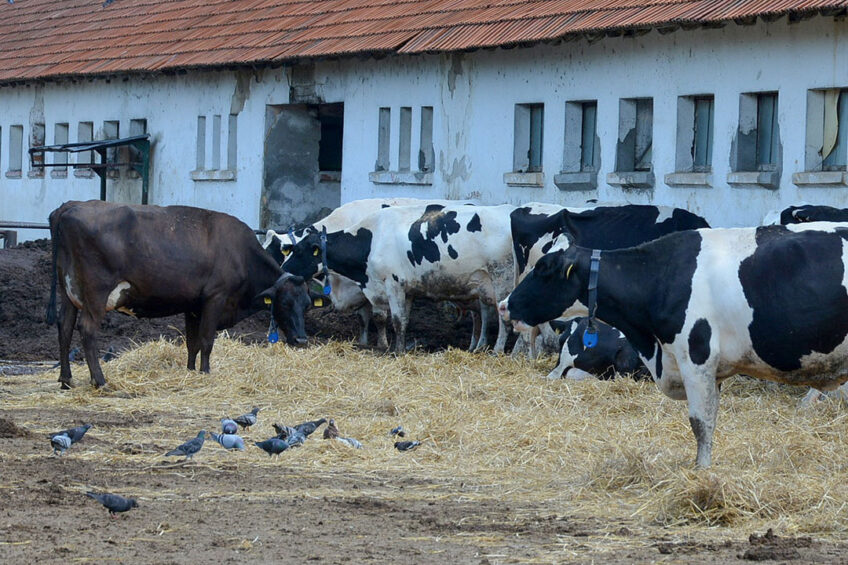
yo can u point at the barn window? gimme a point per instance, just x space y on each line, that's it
581 150
85 133
36 139
756 158
201 143
633 155
693 155
529 134
426 153
383 139
826 147
16 141
60 137
405 140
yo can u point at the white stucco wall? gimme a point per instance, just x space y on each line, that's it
473 96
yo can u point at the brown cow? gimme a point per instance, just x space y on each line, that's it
152 261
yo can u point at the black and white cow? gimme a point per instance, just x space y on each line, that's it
458 252
612 354
811 213
346 295
538 227
702 305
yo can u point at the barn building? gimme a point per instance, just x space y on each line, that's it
279 110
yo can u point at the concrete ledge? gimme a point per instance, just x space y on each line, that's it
764 179
214 175
820 178
631 179
399 177
14 174
329 176
524 179
35 174
59 174
576 181
83 173
689 179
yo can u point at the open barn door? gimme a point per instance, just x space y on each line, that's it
303 163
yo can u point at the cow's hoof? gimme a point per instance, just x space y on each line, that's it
65 385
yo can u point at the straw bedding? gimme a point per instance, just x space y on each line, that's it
489 423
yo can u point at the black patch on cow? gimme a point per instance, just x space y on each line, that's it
347 254
438 224
612 355
810 213
699 342
474 224
385 206
452 252
527 228
547 246
793 283
395 277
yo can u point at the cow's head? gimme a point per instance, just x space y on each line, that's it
304 259
290 298
552 289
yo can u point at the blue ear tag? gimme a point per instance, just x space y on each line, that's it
590 338
327 289
273 337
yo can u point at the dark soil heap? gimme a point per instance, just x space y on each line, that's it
25 272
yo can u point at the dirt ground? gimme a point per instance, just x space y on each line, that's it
223 508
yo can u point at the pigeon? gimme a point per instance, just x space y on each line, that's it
190 447
228 426
229 441
60 443
247 420
290 435
331 431
398 431
307 428
75 434
114 502
109 355
350 441
272 446
406 445
72 356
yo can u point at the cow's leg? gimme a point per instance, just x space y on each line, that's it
89 326
206 331
483 340
364 314
475 329
503 333
565 362
531 341
66 322
192 330
400 307
702 395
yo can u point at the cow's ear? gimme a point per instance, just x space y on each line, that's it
266 296
318 300
287 249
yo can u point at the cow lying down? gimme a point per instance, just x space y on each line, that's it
700 306
151 261
613 355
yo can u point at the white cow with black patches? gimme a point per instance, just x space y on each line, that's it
700 306
461 253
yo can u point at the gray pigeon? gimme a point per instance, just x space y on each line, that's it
290 435
350 441
110 354
307 428
398 431
190 447
272 446
228 426
247 420
406 445
229 441
60 443
114 502
76 434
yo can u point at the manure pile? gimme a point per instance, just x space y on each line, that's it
489 424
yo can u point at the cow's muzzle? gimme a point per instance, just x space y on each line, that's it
503 309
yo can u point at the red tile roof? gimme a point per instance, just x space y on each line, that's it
55 38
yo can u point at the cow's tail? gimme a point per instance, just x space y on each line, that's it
51 305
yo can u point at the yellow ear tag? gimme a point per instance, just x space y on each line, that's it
318 302
286 251
568 271
316 252
267 300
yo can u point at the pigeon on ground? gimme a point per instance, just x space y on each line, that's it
406 445
228 426
307 428
398 431
350 441
72 356
75 434
290 435
190 447
60 443
114 502
109 355
229 441
247 420
331 431
272 446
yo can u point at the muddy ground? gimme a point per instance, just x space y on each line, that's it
228 509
